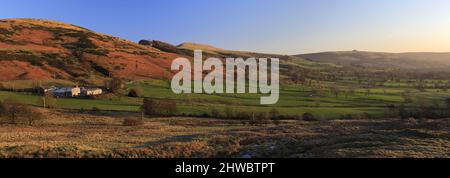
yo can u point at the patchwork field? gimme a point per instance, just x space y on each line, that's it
294 100
67 134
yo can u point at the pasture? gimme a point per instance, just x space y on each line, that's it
294 100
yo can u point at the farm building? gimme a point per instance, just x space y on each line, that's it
67 92
44 90
91 91
62 92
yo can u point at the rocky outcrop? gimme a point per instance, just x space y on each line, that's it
166 47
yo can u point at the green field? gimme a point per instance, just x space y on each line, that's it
294 100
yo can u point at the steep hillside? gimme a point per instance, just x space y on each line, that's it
33 49
412 61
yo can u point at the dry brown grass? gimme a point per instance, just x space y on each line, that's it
53 44
84 135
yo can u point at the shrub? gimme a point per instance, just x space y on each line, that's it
226 146
283 117
119 93
106 96
34 116
2 109
136 92
132 122
204 115
153 107
215 113
308 117
17 112
14 110
274 114
366 116
260 118
2 86
47 101
447 103
98 52
115 84
242 115
95 109
229 113
404 114
347 117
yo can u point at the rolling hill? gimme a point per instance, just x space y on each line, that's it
35 49
408 61
41 49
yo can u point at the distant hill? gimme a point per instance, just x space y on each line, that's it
196 46
412 61
218 52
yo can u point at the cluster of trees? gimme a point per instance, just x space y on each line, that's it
307 76
47 101
158 107
257 117
422 85
369 78
136 92
18 113
153 108
117 87
423 111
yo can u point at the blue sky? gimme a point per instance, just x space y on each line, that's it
275 26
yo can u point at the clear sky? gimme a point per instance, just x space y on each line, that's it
276 26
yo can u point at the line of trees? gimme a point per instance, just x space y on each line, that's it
158 107
257 117
423 111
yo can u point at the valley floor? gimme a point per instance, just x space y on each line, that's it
71 135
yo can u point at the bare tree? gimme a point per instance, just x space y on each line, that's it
33 116
335 91
13 109
154 107
48 101
119 93
17 112
368 91
115 84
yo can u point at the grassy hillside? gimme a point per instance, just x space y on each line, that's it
32 49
